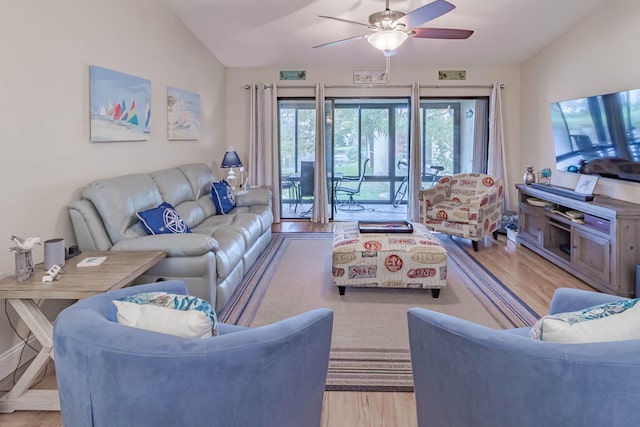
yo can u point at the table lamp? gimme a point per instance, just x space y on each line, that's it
231 160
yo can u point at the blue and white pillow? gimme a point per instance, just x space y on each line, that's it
614 321
162 220
181 315
223 197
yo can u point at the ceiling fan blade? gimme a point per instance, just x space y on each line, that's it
341 41
426 13
346 20
440 33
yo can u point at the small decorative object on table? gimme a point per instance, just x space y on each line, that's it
544 176
529 177
24 260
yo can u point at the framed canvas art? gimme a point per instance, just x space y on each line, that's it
586 184
370 77
120 106
183 114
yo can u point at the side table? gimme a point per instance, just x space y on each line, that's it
117 271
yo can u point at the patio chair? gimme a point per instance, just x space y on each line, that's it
350 186
289 184
306 190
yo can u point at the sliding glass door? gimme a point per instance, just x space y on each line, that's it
370 138
297 128
367 140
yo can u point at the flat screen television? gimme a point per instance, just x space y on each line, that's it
599 135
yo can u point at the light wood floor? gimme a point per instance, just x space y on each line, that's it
529 276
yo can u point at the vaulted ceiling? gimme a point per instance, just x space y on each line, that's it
282 33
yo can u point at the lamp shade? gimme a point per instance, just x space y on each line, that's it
231 160
387 40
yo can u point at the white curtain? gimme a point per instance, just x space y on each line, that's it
496 164
320 211
415 167
264 160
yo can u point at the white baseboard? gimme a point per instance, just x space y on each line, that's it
9 361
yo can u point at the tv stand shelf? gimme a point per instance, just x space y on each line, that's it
601 250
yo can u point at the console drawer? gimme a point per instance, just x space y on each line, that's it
599 223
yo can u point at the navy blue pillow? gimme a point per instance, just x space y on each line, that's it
162 220
223 197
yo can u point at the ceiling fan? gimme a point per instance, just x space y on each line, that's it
391 28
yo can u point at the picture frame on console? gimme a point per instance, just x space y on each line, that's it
586 184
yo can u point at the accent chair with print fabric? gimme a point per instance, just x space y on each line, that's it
110 374
468 375
466 205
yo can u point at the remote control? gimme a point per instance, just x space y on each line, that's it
51 274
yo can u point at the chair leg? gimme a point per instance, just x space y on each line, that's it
474 243
350 205
495 235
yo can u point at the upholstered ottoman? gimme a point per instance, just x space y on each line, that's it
388 260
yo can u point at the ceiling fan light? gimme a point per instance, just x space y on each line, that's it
387 40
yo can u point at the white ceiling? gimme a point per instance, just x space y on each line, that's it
281 33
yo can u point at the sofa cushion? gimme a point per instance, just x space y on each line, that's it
465 186
614 321
173 186
180 315
450 211
163 220
118 199
223 197
200 178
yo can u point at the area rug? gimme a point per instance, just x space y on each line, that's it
370 345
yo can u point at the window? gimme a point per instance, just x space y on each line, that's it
454 139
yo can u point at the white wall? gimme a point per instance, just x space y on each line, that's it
237 96
599 55
47 156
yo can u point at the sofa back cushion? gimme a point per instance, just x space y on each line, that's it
200 178
173 186
177 190
466 185
118 199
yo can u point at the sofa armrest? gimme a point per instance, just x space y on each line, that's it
88 227
436 194
187 244
254 196
567 299
492 200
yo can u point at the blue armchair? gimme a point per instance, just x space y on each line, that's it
469 375
114 375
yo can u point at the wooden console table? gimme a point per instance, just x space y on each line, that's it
117 271
603 250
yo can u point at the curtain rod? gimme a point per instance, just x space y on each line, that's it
365 86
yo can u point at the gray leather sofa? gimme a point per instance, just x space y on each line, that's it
211 260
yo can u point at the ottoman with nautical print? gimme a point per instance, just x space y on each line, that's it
388 260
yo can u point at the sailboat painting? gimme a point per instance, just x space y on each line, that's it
115 100
183 114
